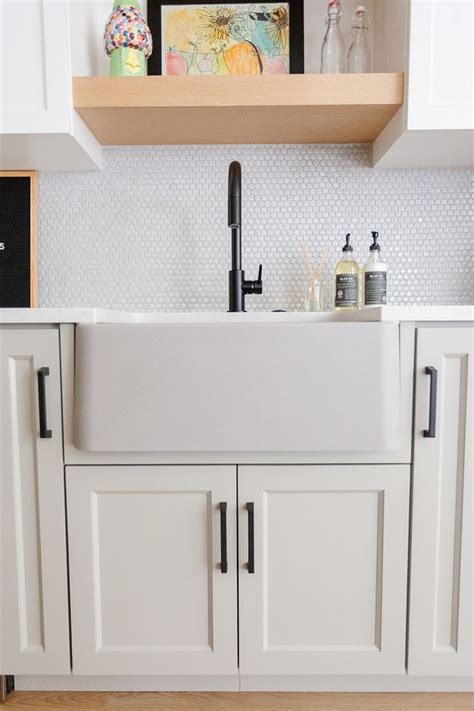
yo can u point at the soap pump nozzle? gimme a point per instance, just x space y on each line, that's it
348 247
375 245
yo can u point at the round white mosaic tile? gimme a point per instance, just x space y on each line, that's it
149 232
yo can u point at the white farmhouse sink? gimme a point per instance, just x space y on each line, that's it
237 383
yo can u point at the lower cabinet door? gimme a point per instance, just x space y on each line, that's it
34 619
149 591
323 569
441 633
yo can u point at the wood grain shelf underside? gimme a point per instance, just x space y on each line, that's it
311 108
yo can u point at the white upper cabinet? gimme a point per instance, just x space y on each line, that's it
39 128
441 592
440 64
434 128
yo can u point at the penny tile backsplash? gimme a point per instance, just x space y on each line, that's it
149 232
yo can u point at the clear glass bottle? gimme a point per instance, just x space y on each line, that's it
359 59
314 297
333 51
347 280
374 276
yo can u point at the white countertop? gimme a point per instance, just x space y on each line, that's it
425 313
55 315
93 315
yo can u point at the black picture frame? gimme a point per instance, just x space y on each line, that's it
296 30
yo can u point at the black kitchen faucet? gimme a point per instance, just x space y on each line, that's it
238 285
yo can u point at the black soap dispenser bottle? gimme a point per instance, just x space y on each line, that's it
347 280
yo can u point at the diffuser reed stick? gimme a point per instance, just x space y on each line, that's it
307 259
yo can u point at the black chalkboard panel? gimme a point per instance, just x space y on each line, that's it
17 240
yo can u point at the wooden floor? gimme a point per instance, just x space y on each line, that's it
145 701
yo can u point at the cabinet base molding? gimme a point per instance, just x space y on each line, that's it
127 683
382 683
402 683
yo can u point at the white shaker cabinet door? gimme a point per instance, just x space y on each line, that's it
34 624
441 596
149 594
440 94
35 71
324 591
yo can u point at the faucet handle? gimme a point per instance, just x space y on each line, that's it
254 287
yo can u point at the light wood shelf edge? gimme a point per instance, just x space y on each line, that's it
290 90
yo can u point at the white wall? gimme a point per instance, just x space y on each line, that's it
87 23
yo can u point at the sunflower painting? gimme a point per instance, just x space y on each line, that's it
227 38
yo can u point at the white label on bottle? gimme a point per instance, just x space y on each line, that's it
375 288
347 287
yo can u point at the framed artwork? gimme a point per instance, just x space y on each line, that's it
226 38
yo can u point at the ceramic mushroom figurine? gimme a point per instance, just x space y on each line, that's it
127 40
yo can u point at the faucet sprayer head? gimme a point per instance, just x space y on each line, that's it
234 202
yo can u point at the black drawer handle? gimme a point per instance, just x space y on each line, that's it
224 563
43 419
251 536
433 373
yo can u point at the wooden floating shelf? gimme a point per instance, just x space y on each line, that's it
297 108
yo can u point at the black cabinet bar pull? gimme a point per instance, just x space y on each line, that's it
223 510
43 419
433 373
251 522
